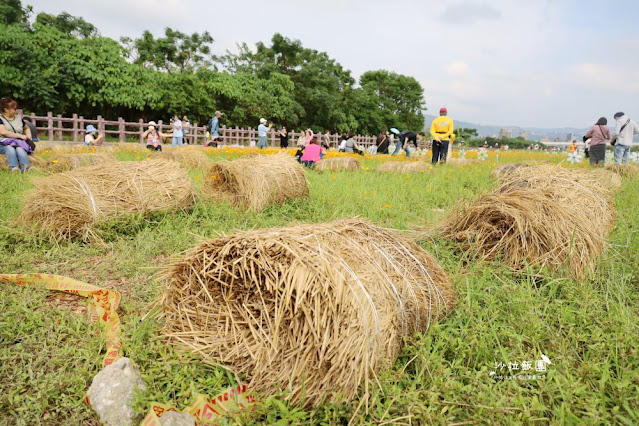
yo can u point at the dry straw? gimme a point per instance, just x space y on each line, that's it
70 204
65 162
314 309
188 158
624 170
545 216
257 181
506 169
404 166
338 164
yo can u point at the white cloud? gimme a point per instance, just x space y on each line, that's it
457 68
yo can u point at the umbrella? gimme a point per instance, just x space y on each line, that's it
394 130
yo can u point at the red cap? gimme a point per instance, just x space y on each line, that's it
442 109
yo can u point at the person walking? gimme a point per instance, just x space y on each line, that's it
178 133
622 139
598 135
215 127
404 138
262 134
441 131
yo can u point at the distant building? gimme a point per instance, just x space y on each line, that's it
505 133
558 139
523 134
570 137
544 139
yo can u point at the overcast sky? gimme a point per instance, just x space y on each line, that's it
535 63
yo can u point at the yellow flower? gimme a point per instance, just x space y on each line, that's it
387 206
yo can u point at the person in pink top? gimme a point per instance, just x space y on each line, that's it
598 135
311 153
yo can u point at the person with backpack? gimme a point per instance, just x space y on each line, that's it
598 135
214 127
622 139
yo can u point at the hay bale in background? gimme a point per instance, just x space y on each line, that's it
506 169
315 309
188 158
541 216
624 170
608 178
257 181
404 166
70 204
65 162
337 164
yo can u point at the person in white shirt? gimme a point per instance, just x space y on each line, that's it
92 138
262 134
624 133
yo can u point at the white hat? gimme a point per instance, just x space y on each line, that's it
152 123
262 120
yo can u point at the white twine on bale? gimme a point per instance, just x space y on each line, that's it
87 191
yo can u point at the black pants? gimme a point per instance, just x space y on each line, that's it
154 148
440 151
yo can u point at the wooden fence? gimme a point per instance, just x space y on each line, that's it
55 128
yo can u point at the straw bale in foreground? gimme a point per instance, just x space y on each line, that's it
315 309
188 158
337 164
404 166
257 181
506 169
541 216
70 204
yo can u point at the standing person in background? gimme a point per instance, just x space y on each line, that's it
178 134
326 140
283 134
573 147
441 131
622 140
215 127
382 143
14 136
598 135
262 134
404 138
186 126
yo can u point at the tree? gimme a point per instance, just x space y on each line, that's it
466 134
176 52
400 98
12 12
68 24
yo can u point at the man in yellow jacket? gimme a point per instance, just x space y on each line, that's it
442 133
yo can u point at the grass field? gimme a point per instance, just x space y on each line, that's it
589 330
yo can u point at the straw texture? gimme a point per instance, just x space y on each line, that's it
70 204
545 216
65 162
337 164
315 309
256 182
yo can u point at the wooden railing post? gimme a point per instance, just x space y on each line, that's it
81 127
121 130
101 126
59 127
50 125
141 131
75 127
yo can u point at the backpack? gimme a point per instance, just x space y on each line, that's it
209 125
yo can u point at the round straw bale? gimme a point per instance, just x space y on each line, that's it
608 178
404 166
506 169
256 182
188 158
337 164
540 216
316 309
64 162
70 204
624 170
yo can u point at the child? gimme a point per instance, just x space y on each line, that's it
153 137
92 138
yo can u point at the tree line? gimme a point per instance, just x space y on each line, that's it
61 63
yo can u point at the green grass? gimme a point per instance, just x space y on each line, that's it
48 355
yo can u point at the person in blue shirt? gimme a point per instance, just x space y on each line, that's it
215 126
262 134
178 133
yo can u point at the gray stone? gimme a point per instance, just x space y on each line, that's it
173 418
112 390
